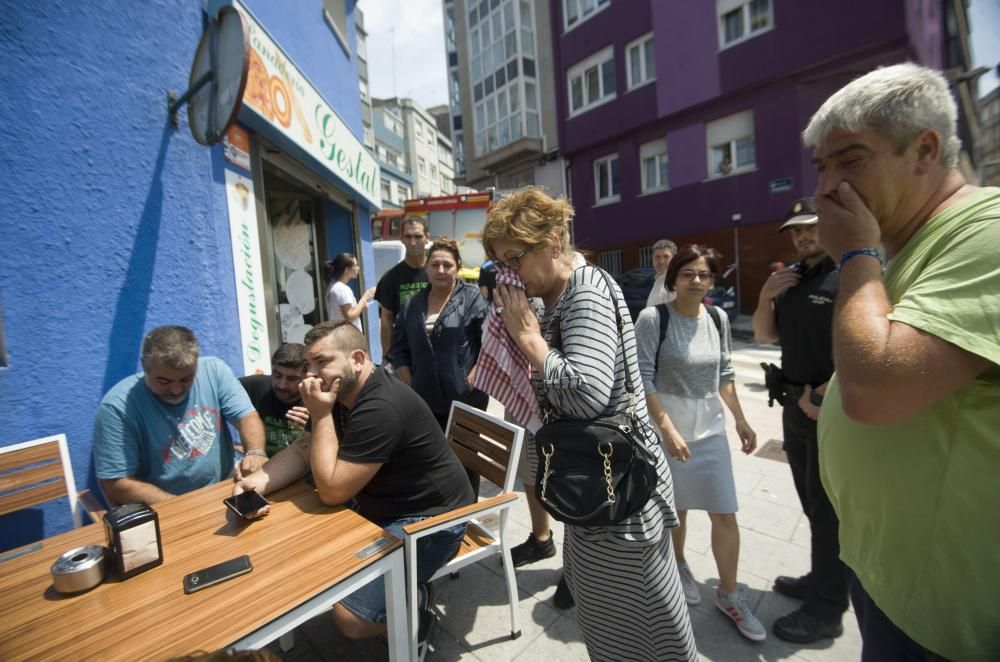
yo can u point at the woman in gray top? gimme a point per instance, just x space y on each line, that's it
623 577
693 378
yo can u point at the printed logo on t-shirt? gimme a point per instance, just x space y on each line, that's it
407 290
195 434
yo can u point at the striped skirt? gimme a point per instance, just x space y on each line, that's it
629 600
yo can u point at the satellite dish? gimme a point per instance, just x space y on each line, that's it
218 78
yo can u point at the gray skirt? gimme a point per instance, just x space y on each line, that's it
705 481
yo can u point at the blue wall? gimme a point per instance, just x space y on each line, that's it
112 221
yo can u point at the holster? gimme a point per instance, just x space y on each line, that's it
774 379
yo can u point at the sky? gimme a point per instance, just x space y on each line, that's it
411 34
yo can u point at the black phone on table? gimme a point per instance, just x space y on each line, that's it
215 574
245 503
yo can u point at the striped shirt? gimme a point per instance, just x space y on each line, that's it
584 378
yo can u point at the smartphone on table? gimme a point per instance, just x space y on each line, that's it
216 574
245 503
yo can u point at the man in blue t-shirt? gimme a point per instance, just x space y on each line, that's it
163 431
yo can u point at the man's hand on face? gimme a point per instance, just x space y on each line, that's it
845 222
318 401
298 416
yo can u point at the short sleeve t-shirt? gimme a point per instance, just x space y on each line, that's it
420 475
337 295
918 500
398 285
278 431
178 448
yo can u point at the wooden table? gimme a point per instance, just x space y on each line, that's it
304 560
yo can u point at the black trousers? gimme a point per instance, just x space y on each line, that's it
827 600
880 638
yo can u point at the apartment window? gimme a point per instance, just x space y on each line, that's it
606 179
611 261
434 174
421 166
742 19
731 147
641 61
335 15
386 190
363 88
592 81
576 12
419 129
369 136
403 192
653 163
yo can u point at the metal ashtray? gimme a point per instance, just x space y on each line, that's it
79 569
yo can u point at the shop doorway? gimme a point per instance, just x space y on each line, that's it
300 229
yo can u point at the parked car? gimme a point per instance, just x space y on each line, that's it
636 285
723 294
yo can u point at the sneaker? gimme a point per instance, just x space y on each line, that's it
563 598
532 550
735 606
425 627
691 591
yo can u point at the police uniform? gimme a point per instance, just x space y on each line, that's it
804 317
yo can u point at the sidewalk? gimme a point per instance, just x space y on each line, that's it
474 620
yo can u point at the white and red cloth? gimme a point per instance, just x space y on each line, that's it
503 371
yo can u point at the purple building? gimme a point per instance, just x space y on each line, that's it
683 119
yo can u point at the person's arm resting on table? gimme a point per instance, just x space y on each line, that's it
251 431
117 460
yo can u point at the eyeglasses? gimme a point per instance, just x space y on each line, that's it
690 274
514 262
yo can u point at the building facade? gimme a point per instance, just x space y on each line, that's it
683 119
989 138
502 94
428 152
116 221
390 150
361 55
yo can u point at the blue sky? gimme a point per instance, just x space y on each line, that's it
984 25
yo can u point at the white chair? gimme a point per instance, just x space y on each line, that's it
490 447
35 472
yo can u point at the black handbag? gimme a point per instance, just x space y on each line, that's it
595 472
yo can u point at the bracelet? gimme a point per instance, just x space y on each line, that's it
256 451
847 255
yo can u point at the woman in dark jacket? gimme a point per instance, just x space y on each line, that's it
437 338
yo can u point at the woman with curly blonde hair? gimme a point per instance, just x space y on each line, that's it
624 579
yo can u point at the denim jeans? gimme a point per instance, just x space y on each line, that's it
433 551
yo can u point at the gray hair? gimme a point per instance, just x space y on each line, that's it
173 346
665 244
898 102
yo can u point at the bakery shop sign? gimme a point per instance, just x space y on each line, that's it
278 92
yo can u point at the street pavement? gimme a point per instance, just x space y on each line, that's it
474 619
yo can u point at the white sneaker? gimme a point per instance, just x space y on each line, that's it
735 606
691 592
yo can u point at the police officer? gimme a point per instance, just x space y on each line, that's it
796 307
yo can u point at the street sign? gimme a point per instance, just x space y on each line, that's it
780 185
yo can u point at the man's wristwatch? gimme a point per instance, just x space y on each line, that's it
816 398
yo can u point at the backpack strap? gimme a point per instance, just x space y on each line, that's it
714 312
661 310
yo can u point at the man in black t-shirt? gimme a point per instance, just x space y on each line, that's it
404 280
276 398
373 440
796 307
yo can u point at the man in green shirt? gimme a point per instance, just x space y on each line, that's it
910 428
